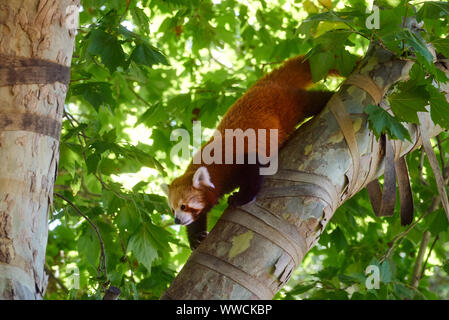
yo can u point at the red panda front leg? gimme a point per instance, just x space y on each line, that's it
197 231
250 183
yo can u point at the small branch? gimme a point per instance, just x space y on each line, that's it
440 148
85 194
57 280
420 168
102 264
404 21
419 259
138 96
428 255
400 237
436 201
218 61
128 2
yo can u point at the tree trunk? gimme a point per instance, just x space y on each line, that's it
36 46
252 251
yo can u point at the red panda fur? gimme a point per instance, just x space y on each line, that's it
276 101
279 100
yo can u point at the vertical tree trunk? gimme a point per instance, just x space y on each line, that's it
36 46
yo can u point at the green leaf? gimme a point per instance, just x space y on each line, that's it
345 62
347 16
92 163
439 107
108 48
416 43
407 100
386 272
433 10
141 19
446 266
321 63
128 218
299 289
153 115
339 240
380 121
89 245
327 273
401 291
442 46
143 247
439 223
147 55
96 93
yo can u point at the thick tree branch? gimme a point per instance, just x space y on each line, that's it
252 251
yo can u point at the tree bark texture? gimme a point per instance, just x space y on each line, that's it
36 46
252 251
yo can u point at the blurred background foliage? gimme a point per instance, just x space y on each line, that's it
144 68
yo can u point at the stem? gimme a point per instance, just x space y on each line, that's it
436 201
428 255
440 148
102 264
420 168
419 259
57 280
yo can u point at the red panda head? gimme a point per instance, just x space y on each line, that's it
189 196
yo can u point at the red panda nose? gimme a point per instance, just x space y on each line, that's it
177 221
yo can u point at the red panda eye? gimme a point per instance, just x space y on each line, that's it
183 207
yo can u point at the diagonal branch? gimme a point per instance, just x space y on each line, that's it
252 250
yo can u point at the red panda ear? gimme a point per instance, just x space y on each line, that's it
201 178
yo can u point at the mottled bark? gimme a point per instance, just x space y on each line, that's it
260 263
39 33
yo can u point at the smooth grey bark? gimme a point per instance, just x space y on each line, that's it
43 30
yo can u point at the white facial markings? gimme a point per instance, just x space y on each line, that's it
195 204
184 217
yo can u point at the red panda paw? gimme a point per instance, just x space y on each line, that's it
197 238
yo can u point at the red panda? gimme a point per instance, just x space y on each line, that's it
279 100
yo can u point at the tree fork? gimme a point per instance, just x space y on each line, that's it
36 46
252 251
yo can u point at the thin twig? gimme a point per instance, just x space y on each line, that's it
57 280
218 61
102 264
85 194
420 169
436 201
400 237
428 255
128 2
404 22
138 96
440 148
419 259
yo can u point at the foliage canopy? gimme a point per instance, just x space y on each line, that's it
144 68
